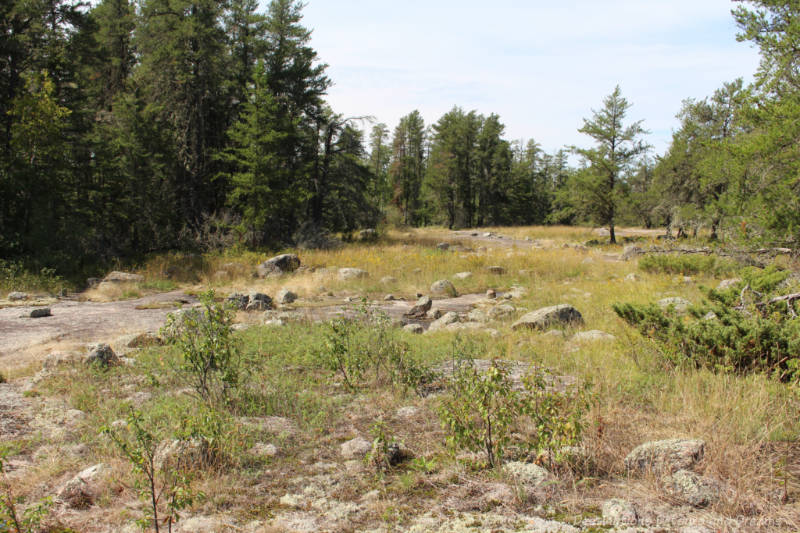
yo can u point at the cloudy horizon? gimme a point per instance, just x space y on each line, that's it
541 67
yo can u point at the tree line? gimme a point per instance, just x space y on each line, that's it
133 127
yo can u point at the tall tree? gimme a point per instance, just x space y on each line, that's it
379 158
597 188
407 166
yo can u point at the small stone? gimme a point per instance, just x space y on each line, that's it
280 264
191 453
261 449
356 448
665 455
407 412
444 321
17 296
463 275
414 328
285 296
477 315
443 246
101 354
491 294
497 270
728 283
619 512
389 298
444 287
435 314
81 491
257 301
677 303
632 277
421 308
388 280
563 314
528 474
346 274
697 491
501 312
237 301
41 312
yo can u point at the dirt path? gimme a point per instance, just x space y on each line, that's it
79 322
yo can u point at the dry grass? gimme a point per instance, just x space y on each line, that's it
750 423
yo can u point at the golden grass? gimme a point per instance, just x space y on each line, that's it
750 423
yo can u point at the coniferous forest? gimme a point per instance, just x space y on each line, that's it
134 127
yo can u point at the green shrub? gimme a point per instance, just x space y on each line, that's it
741 336
15 277
686 264
366 350
210 354
166 487
482 410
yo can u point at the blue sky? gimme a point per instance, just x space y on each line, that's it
541 65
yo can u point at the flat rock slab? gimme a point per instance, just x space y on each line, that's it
74 321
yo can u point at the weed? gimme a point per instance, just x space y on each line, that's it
164 487
484 408
367 344
210 356
385 450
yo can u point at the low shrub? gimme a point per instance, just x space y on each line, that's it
483 409
14 276
210 355
687 264
164 485
366 349
736 330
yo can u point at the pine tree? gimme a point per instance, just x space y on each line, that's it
597 188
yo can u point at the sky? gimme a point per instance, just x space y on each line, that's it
543 66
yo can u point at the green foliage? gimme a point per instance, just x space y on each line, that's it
741 336
598 187
15 277
484 408
164 485
687 264
385 450
210 355
367 350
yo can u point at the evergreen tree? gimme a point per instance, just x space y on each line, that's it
596 189
407 166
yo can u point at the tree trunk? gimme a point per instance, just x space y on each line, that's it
613 235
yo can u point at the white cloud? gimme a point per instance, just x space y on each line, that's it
542 66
